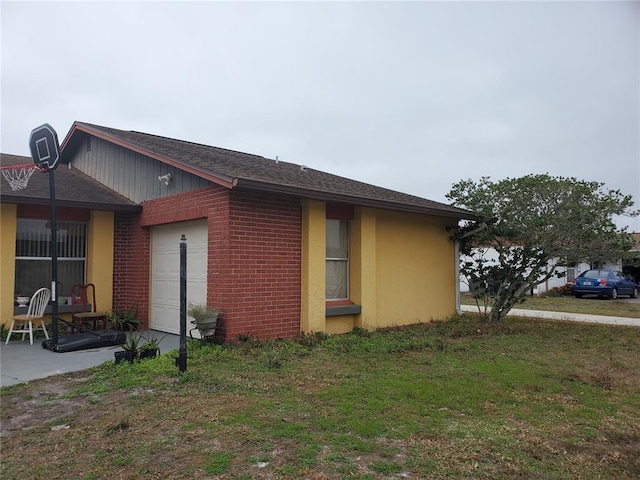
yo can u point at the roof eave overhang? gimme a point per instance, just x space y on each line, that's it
102 207
341 198
222 180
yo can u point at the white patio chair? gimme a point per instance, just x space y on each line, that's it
35 313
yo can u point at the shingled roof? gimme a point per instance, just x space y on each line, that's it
73 189
242 170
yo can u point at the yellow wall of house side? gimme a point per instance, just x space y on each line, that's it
362 272
341 324
8 219
313 266
415 269
100 247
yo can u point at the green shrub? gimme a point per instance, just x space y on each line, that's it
313 339
125 319
562 291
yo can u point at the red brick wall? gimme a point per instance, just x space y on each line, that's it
131 265
263 281
254 263
132 256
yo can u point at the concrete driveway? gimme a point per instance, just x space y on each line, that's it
630 300
619 299
21 361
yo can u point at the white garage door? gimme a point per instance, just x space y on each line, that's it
165 272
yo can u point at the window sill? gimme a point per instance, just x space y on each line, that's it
334 309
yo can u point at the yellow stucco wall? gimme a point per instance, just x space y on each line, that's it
100 245
363 277
415 269
341 324
313 267
100 234
402 270
8 215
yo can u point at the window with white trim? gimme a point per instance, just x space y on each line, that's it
337 260
33 255
571 274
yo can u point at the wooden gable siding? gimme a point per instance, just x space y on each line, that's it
129 173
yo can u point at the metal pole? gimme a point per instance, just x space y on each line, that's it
54 261
182 352
45 153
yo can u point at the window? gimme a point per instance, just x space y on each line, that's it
33 255
337 260
571 274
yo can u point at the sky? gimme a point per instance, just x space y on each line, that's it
412 96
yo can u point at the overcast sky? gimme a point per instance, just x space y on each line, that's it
409 96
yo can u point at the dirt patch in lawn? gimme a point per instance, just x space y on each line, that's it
49 402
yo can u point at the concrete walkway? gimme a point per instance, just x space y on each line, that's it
571 317
21 361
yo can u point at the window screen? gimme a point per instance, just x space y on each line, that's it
33 255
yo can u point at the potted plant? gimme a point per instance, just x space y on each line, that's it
205 318
138 347
130 349
151 348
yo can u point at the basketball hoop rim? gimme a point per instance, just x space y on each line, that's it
23 166
17 176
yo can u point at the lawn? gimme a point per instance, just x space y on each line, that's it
587 305
458 399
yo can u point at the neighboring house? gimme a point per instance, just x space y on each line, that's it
280 248
630 266
569 273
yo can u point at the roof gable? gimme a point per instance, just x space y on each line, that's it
234 169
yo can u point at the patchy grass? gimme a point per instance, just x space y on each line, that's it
587 305
457 399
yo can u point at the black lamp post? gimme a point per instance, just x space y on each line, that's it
54 260
181 361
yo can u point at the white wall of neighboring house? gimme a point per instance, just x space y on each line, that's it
491 254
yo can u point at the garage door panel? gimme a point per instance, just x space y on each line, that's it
158 290
165 271
173 295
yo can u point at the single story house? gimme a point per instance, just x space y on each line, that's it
280 248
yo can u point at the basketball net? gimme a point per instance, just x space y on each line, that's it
18 175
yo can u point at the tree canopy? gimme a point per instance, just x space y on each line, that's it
539 223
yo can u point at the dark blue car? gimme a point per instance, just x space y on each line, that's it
604 283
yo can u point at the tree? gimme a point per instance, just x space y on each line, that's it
540 223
